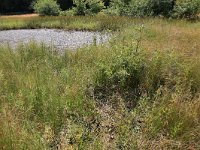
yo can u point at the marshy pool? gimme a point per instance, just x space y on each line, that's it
61 39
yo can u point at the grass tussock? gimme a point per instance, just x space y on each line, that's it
128 94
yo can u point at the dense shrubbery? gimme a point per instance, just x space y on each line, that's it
153 8
161 7
137 8
141 7
166 8
47 8
186 9
85 7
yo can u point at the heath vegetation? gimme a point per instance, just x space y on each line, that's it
138 91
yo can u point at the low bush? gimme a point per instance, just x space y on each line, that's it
47 8
133 75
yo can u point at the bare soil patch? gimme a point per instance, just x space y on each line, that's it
19 16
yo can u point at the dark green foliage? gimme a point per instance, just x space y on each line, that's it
186 9
106 2
65 4
87 7
142 7
161 7
119 7
47 8
166 8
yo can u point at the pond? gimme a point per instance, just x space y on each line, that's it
53 37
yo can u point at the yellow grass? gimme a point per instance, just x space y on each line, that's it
19 16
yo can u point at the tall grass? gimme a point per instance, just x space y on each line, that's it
38 87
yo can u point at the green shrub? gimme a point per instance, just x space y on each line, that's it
119 7
69 12
123 73
161 7
186 9
47 8
80 7
142 7
87 7
133 75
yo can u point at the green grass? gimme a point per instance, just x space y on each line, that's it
140 91
68 23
